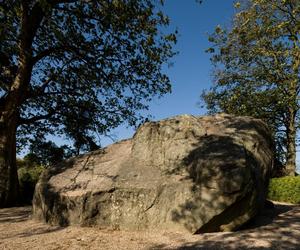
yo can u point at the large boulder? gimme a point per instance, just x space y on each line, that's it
187 173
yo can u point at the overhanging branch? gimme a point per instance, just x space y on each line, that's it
26 121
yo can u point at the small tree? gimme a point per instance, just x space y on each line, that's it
29 170
257 69
75 68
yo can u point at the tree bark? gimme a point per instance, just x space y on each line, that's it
10 104
9 184
9 117
290 166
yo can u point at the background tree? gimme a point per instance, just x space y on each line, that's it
29 170
257 70
47 153
76 68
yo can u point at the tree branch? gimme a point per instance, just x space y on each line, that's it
26 121
45 53
54 2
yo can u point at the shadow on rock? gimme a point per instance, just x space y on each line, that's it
229 185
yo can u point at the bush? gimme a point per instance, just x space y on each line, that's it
285 189
28 177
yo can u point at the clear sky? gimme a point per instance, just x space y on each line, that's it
191 72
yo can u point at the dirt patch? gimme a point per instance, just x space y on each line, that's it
274 229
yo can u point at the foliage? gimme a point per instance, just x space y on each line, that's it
76 69
91 65
29 171
257 69
48 153
285 189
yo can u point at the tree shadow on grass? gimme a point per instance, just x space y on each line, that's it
39 231
17 215
282 233
36 231
267 215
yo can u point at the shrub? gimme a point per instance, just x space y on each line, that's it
28 177
285 189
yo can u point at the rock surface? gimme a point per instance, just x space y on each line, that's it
196 174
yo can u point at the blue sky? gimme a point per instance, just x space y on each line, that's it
191 72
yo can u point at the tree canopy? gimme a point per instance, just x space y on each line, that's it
93 63
76 68
257 70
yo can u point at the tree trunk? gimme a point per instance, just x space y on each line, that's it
9 184
11 103
9 116
290 165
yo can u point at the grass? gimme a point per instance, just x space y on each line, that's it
285 189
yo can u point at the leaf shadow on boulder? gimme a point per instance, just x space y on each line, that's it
227 178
